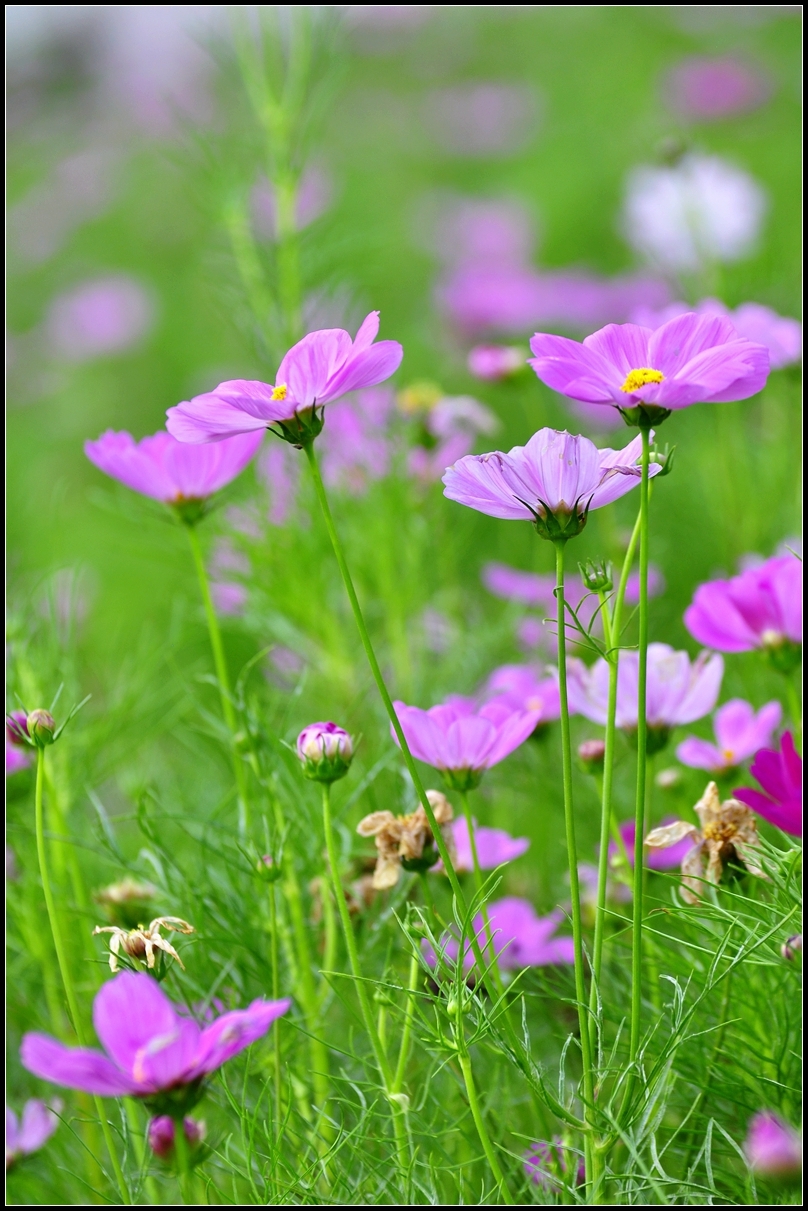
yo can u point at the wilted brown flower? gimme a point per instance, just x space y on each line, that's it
127 902
140 943
727 830
407 839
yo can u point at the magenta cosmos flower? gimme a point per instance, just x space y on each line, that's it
678 690
316 371
494 846
739 733
28 1135
545 1163
772 1147
153 1052
491 363
462 739
553 481
781 334
521 937
761 608
706 89
692 359
523 688
779 772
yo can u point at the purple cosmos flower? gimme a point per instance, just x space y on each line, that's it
166 469
279 470
494 362
151 1047
462 739
772 1147
739 733
545 1161
761 608
527 588
355 445
655 859
706 89
452 426
523 688
107 316
699 210
318 370
481 119
678 691
779 772
326 751
692 359
161 1134
39 1121
494 846
521 937
16 759
781 334
553 481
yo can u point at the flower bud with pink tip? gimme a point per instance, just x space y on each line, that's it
162 1134
326 752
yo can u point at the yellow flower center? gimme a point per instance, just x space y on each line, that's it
638 378
279 392
723 832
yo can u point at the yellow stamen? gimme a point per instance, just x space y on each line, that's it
638 378
279 392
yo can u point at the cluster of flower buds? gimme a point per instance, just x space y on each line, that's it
326 752
162 1135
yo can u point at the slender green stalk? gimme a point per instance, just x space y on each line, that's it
404 1047
276 992
183 1158
64 966
220 665
794 706
476 1111
478 882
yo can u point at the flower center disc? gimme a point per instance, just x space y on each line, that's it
639 378
279 392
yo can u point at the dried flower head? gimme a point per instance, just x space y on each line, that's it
407 840
127 902
140 943
728 830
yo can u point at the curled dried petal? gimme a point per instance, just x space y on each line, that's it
441 806
374 823
692 874
669 834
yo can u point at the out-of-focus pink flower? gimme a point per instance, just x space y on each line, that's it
779 772
588 877
532 633
655 859
12 869
494 846
494 362
383 16
522 687
481 119
16 759
17 728
546 1162
466 231
169 470
162 1132
781 334
229 597
656 585
683 216
279 470
772 1147
521 937
739 733
105 316
79 189
314 196
527 588
761 608
284 667
355 445
39 1121
705 89
453 424
439 631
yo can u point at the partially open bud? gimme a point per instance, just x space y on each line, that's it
268 869
792 947
597 575
161 1135
326 751
663 458
591 754
41 727
17 728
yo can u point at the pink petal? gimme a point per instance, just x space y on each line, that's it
129 1012
75 1067
235 1031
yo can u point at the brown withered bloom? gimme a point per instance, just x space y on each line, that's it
142 942
127 902
407 839
728 830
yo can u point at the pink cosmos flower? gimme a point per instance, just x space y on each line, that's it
772 1147
739 733
553 481
523 688
38 1124
689 360
461 230
494 846
318 370
453 424
706 89
16 759
527 588
779 772
494 362
229 598
655 859
521 937
165 469
151 1047
17 729
106 316
761 608
544 1162
781 334
656 585
462 739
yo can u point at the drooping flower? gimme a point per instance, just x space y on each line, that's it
553 481
462 739
39 1121
491 363
141 942
739 733
692 359
523 688
494 846
521 938
451 427
772 1147
325 751
101 317
168 470
779 772
407 841
678 691
162 1130
761 608
318 370
781 334
151 1048
700 210
545 1163
705 89
728 830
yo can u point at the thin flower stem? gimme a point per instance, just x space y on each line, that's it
478 882
273 924
220 665
182 1155
476 1112
404 1049
794 707
64 967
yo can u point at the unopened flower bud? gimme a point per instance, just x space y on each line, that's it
597 575
663 458
792 947
41 727
591 754
326 751
773 1148
161 1134
17 728
268 869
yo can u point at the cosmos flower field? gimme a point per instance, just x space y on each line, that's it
404 733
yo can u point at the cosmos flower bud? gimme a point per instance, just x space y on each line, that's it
268 869
773 1148
17 728
792 947
597 575
161 1134
41 728
591 754
326 751
663 458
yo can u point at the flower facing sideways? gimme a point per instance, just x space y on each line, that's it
728 830
494 846
407 840
141 943
739 733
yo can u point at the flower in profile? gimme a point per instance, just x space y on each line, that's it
491 363
728 830
739 732
553 481
407 841
162 1130
494 846
140 943
106 316
318 370
523 688
326 751
168 470
772 1147
779 772
38 1123
547 1164
153 1051
781 334
462 739
450 428
699 210
704 89
761 608
678 690
521 938
692 359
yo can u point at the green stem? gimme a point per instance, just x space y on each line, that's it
182 1154
794 706
478 883
273 925
64 967
404 1049
220 665
476 1112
